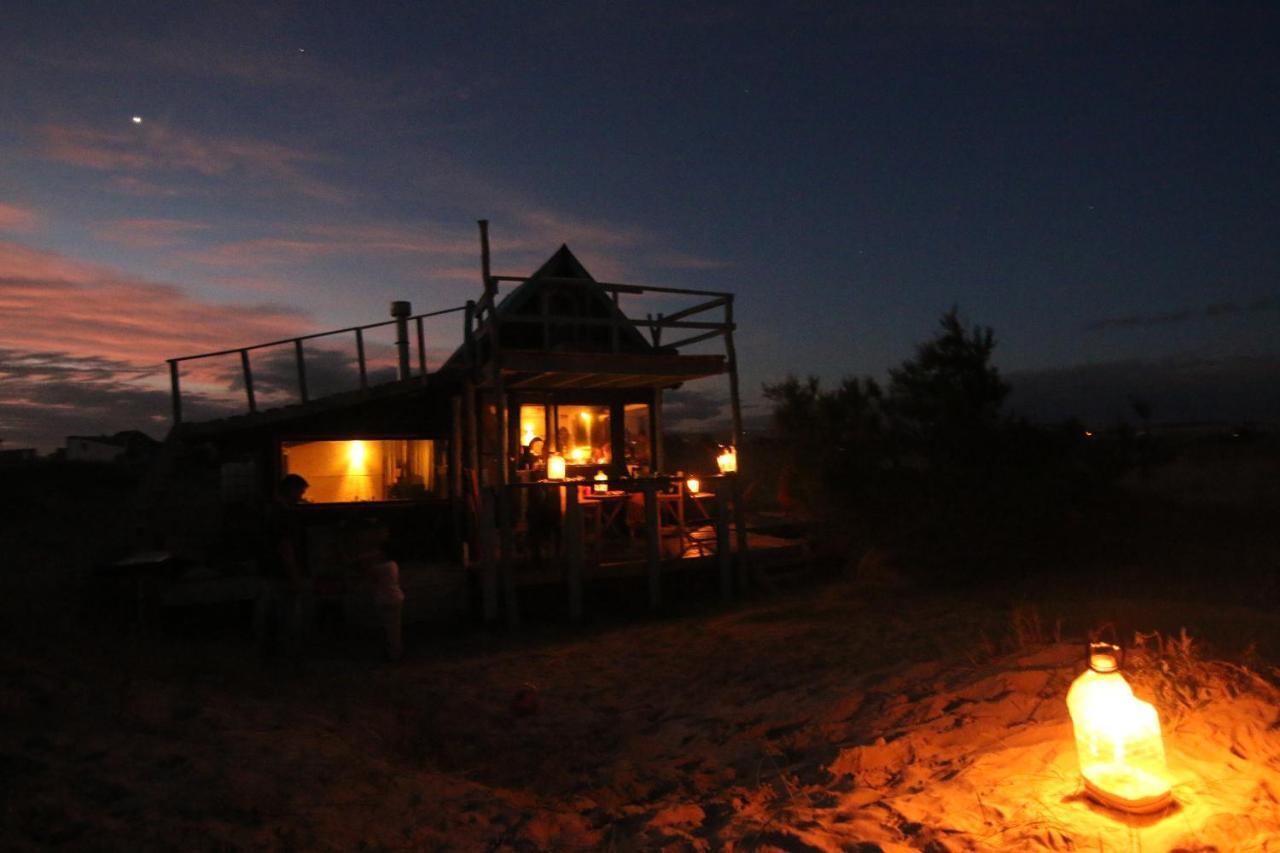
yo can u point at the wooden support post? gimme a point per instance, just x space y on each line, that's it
724 548
248 379
472 478
401 310
653 543
422 350
735 404
455 477
484 253
488 543
506 562
175 391
364 370
656 459
574 541
469 333
302 369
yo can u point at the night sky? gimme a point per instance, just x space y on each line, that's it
1098 182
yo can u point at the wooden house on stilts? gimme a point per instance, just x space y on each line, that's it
533 456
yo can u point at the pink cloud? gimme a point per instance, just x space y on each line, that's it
153 147
348 240
19 219
50 303
147 233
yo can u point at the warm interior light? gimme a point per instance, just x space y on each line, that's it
356 455
601 484
555 467
1117 737
586 417
728 460
580 455
693 485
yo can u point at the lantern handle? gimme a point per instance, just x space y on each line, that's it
1095 649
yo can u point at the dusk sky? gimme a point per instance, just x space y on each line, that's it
1098 182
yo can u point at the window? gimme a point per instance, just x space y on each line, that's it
583 434
636 423
365 469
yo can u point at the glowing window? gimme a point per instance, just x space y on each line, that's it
636 423
583 434
363 469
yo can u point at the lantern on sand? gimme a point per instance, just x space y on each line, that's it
728 460
601 484
555 467
1117 737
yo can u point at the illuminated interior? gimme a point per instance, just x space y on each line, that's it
583 434
533 424
362 469
636 423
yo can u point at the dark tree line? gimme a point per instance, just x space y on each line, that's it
930 458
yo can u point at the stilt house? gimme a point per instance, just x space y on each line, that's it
444 457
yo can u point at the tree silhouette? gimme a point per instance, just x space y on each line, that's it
950 393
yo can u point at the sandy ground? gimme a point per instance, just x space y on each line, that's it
836 719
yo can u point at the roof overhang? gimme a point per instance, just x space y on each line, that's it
535 369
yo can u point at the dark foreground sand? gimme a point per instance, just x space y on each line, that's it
835 719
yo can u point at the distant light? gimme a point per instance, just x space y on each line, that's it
1088 434
137 119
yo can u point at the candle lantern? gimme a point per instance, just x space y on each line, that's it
728 460
693 485
555 467
601 484
1117 737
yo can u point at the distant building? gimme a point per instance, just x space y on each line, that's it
128 446
17 455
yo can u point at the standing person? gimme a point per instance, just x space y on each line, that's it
283 563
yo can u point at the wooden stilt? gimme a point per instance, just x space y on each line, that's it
735 404
653 544
506 562
574 546
488 541
724 548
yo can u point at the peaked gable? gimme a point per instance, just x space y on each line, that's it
564 293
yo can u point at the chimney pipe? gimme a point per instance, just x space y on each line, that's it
401 311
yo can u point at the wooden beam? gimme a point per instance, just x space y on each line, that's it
364 372
635 364
302 369
724 549
696 339
488 543
574 546
609 285
422 350
653 543
735 404
175 391
709 305
248 380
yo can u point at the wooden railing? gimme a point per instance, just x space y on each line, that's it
246 367
654 324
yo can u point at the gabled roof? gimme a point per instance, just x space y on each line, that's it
559 328
558 280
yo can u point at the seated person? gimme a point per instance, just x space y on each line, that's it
532 457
